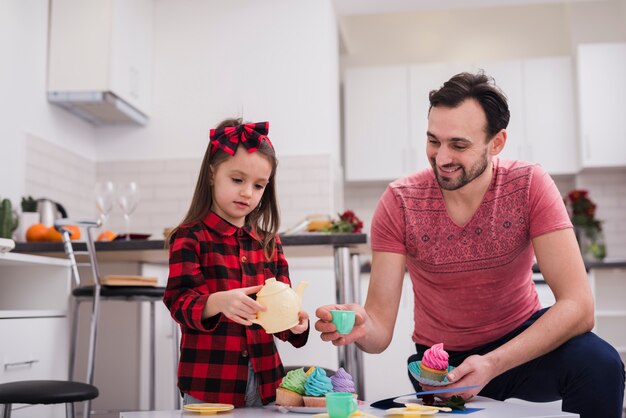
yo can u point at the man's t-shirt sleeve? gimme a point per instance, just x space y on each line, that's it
387 233
547 209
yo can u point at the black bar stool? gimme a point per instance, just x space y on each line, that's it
46 392
98 292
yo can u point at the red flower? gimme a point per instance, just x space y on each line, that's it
347 222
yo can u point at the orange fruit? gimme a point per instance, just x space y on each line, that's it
74 232
55 236
107 235
36 232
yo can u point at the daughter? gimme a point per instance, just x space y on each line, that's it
220 256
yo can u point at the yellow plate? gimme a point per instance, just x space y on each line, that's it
208 408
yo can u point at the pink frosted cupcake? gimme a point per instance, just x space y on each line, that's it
434 364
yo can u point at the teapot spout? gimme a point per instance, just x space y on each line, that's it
300 289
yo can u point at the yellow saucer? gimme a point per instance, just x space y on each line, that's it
208 408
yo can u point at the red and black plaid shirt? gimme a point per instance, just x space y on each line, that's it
213 256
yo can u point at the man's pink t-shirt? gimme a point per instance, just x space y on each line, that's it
472 284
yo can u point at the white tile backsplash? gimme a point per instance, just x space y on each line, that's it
307 184
607 189
61 175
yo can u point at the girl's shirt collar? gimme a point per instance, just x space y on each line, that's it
225 228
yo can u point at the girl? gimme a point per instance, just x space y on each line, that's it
220 256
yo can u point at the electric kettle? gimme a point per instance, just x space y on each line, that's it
49 211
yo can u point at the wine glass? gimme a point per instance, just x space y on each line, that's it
127 198
104 193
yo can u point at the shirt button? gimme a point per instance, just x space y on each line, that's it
244 259
244 353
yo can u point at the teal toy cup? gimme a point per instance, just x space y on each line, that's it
343 320
340 404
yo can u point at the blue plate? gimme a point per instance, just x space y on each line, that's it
414 369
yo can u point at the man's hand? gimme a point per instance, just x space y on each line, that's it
329 331
475 370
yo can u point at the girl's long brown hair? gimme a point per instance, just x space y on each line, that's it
264 219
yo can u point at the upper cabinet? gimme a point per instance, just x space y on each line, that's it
549 114
386 115
100 59
601 101
376 113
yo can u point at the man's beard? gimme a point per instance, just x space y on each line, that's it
465 176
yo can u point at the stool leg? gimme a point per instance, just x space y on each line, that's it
69 410
91 362
6 413
73 339
175 349
152 356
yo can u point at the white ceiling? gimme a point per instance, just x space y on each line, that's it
361 7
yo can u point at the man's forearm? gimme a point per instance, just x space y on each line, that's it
563 321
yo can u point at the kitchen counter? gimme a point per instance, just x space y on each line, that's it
154 251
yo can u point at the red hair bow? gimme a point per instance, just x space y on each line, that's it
249 134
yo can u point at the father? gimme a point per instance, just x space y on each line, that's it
468 230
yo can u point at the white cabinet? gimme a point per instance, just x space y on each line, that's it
34 338
609 289
602 100
100 58
376 112
549 114
385 126
542 128
393 360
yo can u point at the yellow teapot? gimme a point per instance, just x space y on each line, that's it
282 303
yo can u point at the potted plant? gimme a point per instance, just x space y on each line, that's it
582 211
28 217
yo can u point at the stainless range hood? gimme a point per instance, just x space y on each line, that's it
98 108
100 59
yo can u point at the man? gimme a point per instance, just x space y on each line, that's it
467 230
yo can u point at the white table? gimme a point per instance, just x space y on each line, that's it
492 409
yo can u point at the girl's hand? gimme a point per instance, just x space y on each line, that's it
328 329
236 305
303 323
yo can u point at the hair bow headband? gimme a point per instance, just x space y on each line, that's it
249 134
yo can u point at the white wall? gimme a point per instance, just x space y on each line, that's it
274 60
480 34
24 108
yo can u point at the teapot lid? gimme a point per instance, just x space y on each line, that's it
271 286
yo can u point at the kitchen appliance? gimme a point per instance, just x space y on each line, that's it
49 211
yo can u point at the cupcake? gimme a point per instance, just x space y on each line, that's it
291 389
434 364
343 382
316 386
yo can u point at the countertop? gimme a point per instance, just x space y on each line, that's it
154 251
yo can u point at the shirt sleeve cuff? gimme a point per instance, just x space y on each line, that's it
297 340
208 324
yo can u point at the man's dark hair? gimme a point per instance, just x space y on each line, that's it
481 88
